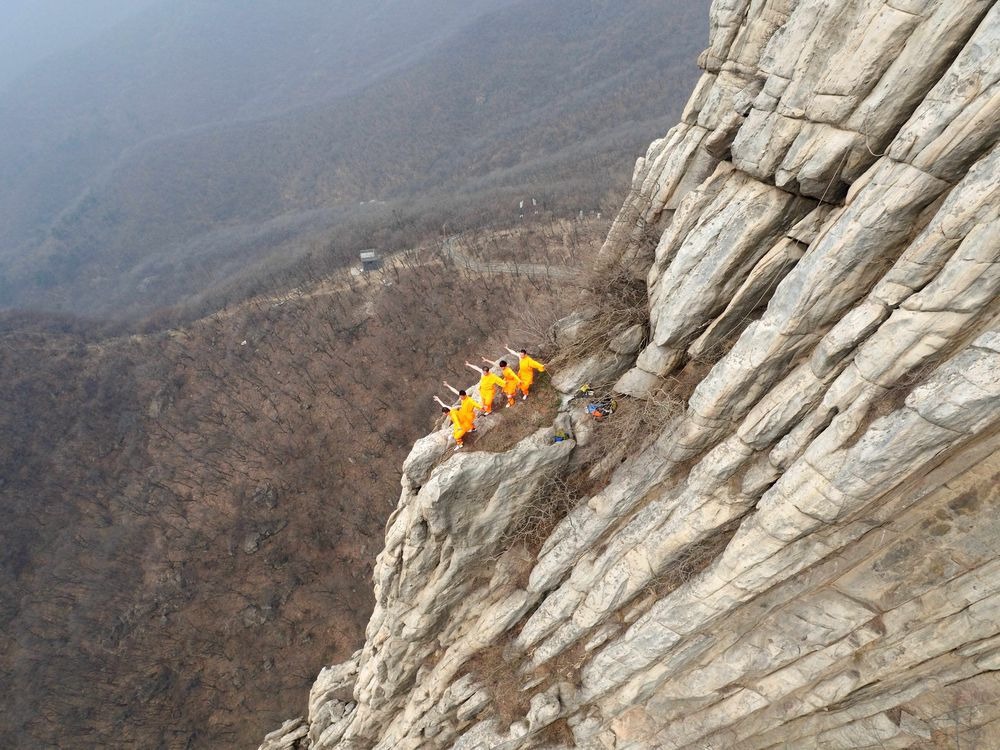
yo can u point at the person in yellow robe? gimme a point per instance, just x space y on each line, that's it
526 370
467 410
466 407
510 379
458 430
462 417
488 384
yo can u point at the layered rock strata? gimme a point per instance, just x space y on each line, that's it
806 553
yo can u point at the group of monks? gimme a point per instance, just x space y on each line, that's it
463 414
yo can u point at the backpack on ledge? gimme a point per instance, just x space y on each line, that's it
599 407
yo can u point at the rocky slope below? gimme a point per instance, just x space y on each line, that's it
183 510
787 535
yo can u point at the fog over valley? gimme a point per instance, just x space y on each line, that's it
33 30
193 147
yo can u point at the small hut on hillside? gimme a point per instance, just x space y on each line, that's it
370 261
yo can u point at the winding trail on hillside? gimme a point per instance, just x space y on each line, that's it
451 249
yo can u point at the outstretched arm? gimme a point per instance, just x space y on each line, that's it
494 362
451 387
446 406
512 351
477 368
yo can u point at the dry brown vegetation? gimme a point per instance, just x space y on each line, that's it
619 301
547 507
557 734
692 560
191 516
633 424
499 674
449 114
509 426
499 678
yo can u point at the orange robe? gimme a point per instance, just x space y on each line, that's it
467 413
526 372
458 428
510 383
488 390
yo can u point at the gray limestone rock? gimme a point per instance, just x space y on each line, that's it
628 341
598 370
288 737
567 330
638 383
805 555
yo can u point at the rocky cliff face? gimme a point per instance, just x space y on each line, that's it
802 554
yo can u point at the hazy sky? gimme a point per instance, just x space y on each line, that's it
31 30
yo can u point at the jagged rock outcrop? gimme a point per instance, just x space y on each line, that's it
806 554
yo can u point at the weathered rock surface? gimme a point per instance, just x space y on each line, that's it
806 554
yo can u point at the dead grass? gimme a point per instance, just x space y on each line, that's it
511 703
692 560
507 427
501 680
566 666
546 508
627 431
556 734
586 482
682 383
621 300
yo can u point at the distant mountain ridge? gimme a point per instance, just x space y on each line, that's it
298 113
164 72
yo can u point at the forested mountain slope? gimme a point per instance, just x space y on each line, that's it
201 137
183 511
